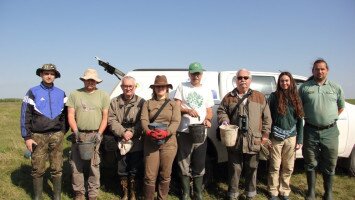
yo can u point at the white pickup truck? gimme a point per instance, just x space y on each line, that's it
220 83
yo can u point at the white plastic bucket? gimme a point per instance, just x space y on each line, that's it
229 134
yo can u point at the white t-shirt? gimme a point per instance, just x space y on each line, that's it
197 98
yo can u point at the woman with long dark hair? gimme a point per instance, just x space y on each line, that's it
286 135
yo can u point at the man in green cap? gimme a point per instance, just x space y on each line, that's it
323 101
196 103
43 125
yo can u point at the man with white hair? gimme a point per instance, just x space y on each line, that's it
249 110
124 123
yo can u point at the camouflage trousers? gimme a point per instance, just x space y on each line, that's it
49 146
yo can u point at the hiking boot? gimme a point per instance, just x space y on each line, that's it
124 185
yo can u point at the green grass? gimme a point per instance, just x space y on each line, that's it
352 101
16 182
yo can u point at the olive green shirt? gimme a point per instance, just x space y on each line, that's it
88 108
321 102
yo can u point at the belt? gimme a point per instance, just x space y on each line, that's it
320 127
88 131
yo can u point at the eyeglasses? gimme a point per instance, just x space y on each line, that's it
127 86
243 77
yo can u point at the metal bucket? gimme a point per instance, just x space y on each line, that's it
86 150
229 134
197 132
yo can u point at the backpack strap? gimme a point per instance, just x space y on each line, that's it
159 111
239 102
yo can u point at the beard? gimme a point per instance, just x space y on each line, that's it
319 79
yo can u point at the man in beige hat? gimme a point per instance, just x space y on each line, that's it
43 125
124 123
87 116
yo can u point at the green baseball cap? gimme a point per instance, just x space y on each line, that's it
195 67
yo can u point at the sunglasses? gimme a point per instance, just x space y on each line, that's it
127 86
243 77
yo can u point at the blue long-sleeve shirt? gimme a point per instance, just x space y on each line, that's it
43 111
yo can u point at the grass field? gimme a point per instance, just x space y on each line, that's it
16 182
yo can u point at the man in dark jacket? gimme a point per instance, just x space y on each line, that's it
43 125
123 121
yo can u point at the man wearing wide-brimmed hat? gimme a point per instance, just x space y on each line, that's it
43 125
87 116
196 102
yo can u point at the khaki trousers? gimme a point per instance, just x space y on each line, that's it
282 160
78 165
158 160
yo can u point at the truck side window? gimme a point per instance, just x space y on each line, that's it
264 84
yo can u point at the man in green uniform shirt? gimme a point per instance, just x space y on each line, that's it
323 101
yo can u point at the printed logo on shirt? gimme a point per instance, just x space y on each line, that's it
194 100
42 99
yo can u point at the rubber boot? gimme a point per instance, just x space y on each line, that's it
148 192
57 187
185 186
311 182
197 182
124 185
132 189
328 186
38 188
163 190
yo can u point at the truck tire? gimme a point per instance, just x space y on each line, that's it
352 163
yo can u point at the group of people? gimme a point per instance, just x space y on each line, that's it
150 134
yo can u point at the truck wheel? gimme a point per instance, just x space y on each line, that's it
352 163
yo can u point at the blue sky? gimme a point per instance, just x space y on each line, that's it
222 35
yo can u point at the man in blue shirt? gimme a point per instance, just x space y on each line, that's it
43 125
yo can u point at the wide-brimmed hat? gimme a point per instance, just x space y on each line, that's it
48 67
160 80
91 74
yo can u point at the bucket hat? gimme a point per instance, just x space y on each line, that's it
91 74
195 67
48 67
160 80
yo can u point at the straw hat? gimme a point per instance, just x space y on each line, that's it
91 74
160 80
